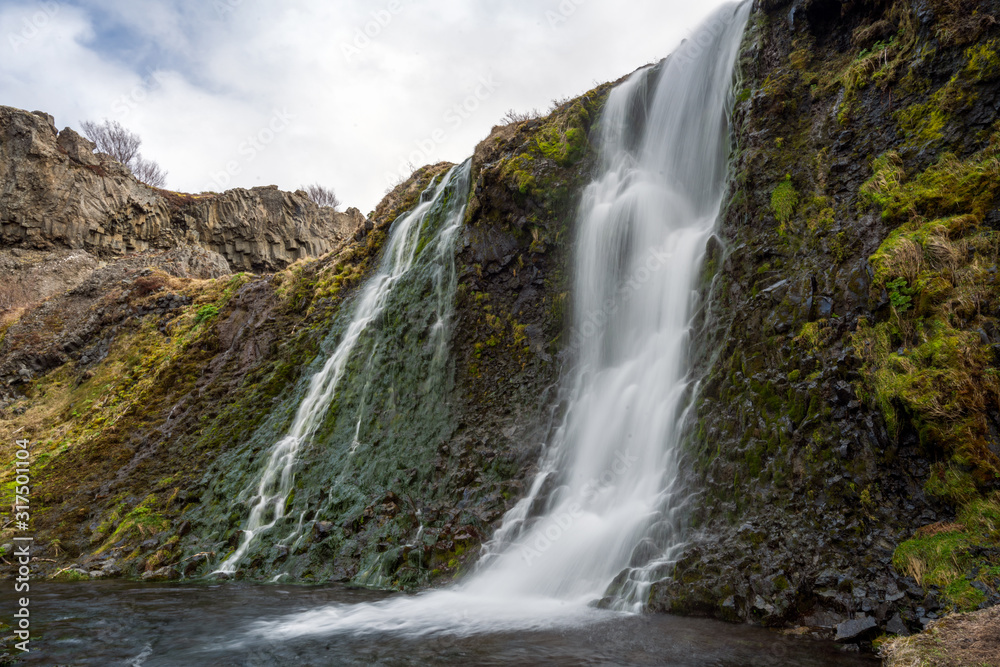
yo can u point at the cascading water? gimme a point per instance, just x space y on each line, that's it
603 511
408 239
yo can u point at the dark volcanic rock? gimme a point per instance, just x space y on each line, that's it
856 630
802 481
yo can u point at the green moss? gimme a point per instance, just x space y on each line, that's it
878 64
949 187
206 313
943 384
951 484
70 575
142 521
560 138
981 516
924 123
983 61
779 91
814 335
928 364
963 596
519 169
784 199
799 58
951 556
564 138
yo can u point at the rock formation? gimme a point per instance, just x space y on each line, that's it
55 192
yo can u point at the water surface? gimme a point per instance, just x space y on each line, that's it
122 623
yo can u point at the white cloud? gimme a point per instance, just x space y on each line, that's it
223 68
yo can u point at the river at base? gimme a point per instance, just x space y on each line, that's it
145 625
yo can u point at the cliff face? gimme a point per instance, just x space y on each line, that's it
846 439
58 194
151 425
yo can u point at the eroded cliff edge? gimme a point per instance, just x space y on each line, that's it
57 193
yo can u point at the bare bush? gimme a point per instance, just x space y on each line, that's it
558 102
123 145
322 195
513 116
149 172
114 139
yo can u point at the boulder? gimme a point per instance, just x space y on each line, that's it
856 630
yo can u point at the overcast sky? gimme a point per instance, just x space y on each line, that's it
228 93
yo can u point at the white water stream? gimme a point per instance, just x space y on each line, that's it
276 481
604 508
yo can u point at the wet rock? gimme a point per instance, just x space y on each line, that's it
191 565
896 626
110 568
856 630
321 530
161 574
643 553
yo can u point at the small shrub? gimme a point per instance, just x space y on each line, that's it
145 285
784 199
512 116
322 195
114 139
899 295
206 313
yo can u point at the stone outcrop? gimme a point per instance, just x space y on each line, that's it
55 192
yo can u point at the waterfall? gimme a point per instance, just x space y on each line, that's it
608 501
408 239
604 511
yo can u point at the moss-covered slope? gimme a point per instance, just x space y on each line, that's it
153 397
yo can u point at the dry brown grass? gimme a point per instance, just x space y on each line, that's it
916 568
939 528
960 640
961 21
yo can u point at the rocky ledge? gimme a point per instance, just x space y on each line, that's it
56 193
